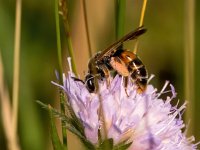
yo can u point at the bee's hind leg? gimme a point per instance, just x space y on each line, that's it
142 85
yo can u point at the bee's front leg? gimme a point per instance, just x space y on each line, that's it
106 73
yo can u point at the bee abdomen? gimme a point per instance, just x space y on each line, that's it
136 67
142 72
138 74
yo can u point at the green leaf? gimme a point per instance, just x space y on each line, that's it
86 143
67 120
122 145
62 111
57 145
120 17
107 144
74 125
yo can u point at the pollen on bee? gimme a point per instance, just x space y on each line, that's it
119 66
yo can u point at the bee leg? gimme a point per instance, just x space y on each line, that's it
133 77
142 84
125 85
107 75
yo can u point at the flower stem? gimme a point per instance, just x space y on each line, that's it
104 132
63 12
86 27
141 23
70 48
189 61
58 42
64 132
16 66
120 17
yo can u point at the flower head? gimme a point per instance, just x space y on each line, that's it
146 120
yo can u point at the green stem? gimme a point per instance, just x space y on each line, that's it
57 145
189 62
69 45
86 28
62 106
64 12
58 42
120 17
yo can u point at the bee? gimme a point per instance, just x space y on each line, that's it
115 58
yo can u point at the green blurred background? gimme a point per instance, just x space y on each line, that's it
161 49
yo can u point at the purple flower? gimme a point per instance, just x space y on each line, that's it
146 120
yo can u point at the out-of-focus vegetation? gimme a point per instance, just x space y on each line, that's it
161 49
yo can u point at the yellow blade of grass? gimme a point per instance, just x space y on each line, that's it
141 23
16 65
7 113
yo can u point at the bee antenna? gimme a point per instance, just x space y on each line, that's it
77 79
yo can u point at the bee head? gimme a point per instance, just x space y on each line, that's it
90 83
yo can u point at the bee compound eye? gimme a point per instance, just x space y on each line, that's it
90 85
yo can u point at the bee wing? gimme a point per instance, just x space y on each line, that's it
130 36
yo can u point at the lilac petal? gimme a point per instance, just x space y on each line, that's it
147 120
